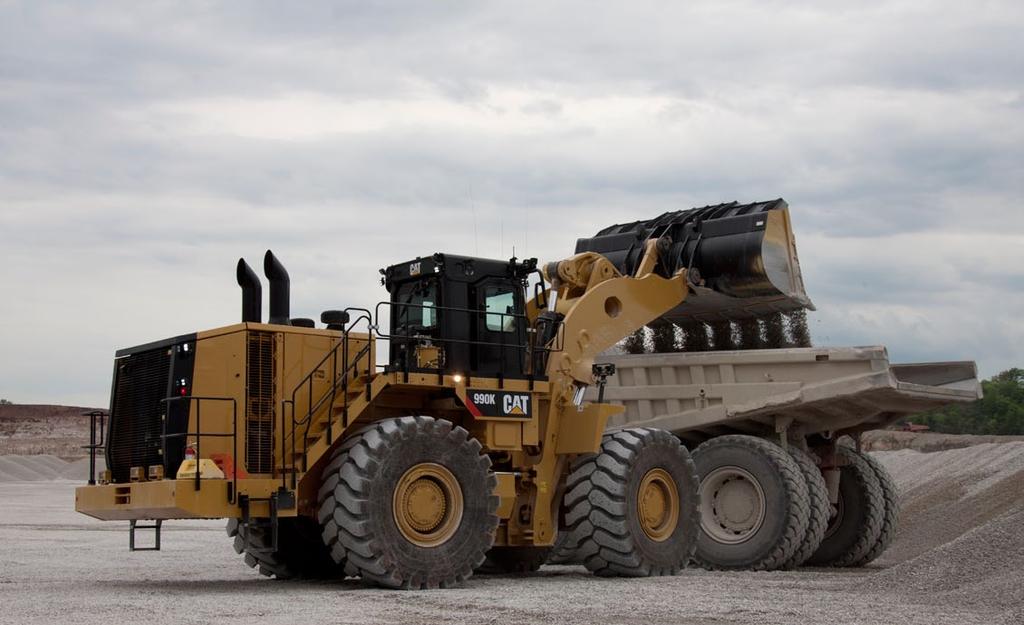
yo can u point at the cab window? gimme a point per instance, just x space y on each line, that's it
416 303
499 304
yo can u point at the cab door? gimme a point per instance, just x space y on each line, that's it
500 330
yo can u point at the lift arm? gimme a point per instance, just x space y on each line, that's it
598 306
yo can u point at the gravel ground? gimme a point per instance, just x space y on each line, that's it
58 566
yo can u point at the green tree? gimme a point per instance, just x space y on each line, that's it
4 402
1000 411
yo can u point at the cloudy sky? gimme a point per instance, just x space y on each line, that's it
144 147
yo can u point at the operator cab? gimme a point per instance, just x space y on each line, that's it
459 315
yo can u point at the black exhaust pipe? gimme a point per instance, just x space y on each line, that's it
279 289
252 292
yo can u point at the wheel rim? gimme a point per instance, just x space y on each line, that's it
428 504
732 505
658 504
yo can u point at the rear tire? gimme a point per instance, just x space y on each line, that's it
819 507
891 514
754 506
561 551
413 505
514 560
856 525
633 505
300 554
326 502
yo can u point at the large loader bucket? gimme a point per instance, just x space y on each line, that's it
741 258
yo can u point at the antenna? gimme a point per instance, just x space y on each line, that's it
476 238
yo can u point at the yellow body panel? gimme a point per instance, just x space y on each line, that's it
599 305
172 499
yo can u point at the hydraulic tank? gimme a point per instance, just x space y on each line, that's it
741 258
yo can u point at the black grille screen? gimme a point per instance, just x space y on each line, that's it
141 381
259 404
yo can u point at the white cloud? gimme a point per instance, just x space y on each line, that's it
143 148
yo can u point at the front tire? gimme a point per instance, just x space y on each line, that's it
633 507
413 505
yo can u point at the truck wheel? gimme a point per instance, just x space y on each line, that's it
891 513
300 554
856 522
634 506
413 505
514 560
754 506
819 507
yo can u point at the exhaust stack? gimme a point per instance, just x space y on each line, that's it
741 258
252 292
279 289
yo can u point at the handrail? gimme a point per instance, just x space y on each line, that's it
289 431
199 434
327 399
93 446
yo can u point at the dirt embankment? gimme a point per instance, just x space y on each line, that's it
37 429
890 440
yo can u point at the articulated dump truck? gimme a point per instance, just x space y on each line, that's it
483 437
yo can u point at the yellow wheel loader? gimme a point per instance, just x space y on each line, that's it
466 444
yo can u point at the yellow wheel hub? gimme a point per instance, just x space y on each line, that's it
428 504
658 504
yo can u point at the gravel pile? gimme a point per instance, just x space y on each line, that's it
961 536
43 468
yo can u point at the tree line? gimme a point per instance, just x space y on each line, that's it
1000 411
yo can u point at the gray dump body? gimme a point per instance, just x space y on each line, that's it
701 395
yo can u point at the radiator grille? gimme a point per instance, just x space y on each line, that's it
259 403
135 422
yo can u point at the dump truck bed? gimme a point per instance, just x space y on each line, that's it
701 395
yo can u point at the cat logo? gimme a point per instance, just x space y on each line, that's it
500 404
414 269
516 404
